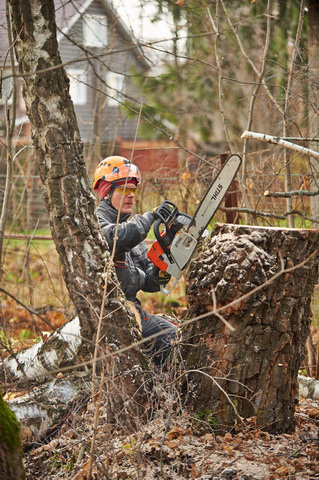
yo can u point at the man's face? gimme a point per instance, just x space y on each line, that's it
122 198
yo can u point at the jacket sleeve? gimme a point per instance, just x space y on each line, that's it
129 234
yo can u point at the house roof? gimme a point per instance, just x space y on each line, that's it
67 13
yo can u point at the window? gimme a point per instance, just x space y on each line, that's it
78 87
116 85
6 90
95 30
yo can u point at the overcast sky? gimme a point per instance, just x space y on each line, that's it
137 18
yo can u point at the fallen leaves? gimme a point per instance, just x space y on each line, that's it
170 450
83 472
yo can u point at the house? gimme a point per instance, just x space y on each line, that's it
100 57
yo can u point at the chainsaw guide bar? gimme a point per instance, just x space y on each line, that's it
176 245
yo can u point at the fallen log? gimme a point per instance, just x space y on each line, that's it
308 387
44 406
260 280
45 395
44 358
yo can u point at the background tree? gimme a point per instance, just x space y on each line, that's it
313 54
241 68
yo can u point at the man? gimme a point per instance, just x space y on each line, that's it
117 181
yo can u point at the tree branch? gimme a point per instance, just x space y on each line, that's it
279 141
293 193
258 213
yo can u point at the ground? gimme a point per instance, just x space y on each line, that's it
175 446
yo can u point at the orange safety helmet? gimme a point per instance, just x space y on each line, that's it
115 168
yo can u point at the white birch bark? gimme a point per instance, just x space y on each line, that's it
279 141
44 358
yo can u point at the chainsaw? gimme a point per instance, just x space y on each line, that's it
178 234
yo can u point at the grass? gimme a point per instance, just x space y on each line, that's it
32 273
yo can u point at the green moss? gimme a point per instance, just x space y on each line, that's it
207 417
191 358
230 414
261 417
9 427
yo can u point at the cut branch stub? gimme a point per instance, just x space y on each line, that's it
251 371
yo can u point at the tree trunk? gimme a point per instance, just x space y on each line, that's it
252 370
10 446
71 204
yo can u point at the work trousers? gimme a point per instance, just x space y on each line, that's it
159 347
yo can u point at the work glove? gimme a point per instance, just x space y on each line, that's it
160 277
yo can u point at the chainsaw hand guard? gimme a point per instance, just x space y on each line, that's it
166 211
169 221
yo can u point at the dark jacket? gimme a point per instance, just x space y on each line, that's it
134 269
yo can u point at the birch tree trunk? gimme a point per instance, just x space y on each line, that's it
71 204
252 370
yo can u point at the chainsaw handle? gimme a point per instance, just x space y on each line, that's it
166 212
167 291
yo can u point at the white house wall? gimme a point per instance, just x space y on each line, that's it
121 62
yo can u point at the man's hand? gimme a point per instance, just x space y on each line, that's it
160 277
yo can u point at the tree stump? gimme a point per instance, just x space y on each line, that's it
252 370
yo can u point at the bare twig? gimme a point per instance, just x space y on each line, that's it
10 125
261 74
219 69
97 399
286 119
220 309
293 193
258 213
249 60
219 387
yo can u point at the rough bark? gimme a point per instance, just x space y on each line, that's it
255 366
11 467
70 202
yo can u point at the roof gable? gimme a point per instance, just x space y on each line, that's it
67 13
